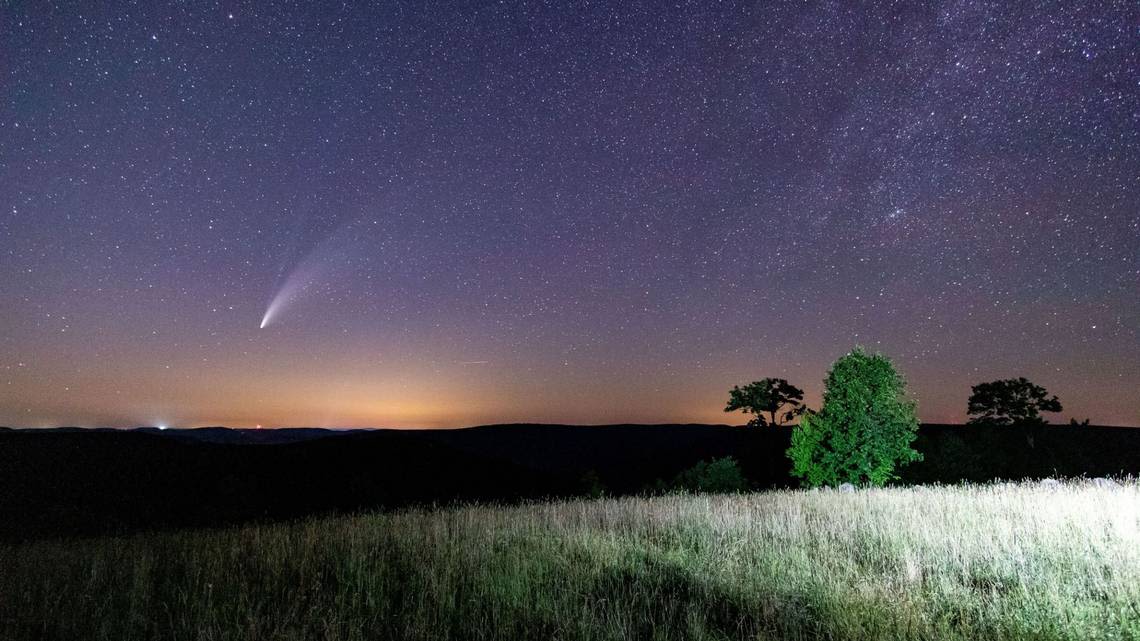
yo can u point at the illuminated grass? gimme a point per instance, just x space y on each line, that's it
992 562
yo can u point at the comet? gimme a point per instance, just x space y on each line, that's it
299 281
316 271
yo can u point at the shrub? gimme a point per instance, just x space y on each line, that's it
591 485
718 475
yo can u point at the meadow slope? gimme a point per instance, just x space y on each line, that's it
1012 561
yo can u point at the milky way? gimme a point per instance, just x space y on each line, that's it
619 210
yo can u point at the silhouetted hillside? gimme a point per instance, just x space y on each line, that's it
627 457
972 453
73 482
83 483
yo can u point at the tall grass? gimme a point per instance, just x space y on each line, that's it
990 562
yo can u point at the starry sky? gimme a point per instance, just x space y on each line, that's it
423 214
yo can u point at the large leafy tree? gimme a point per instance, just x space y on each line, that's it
1014 401
772 401
864 430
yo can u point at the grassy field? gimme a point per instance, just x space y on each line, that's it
990 562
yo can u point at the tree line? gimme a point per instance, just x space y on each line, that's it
863 431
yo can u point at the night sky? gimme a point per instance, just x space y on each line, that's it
447 214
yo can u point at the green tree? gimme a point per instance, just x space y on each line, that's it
717 475
864 430
776 397
1014 401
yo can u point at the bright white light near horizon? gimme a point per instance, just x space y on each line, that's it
161 427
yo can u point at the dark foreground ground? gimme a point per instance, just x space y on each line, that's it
81 482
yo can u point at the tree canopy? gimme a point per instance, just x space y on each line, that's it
864 430
781 401
1014 401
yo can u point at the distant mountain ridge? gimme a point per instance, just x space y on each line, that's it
246 436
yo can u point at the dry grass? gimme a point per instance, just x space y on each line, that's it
990 562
